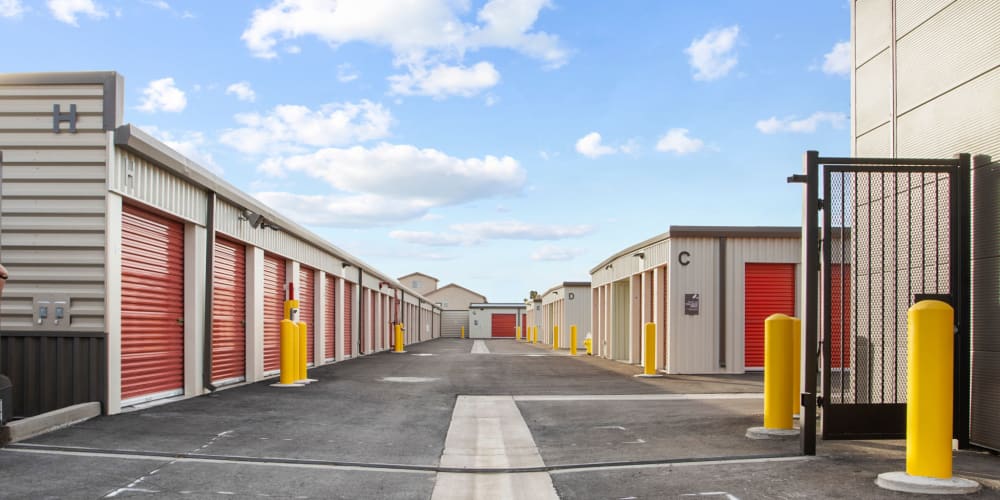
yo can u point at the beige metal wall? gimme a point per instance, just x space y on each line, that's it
926 83
694 345
453 298
577 312
52 203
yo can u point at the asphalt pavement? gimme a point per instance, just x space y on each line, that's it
377 427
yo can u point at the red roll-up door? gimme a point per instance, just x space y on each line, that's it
229 311
840 308
274 309
769 289
307 308
152 305
348 318
503 325
330 344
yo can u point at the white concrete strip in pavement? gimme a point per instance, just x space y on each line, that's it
489 431
639 397
479 347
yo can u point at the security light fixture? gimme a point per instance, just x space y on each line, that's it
639 254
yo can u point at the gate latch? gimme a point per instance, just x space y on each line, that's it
806 397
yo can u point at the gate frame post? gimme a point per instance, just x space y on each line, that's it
810 261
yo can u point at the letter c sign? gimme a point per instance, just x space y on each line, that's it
684 258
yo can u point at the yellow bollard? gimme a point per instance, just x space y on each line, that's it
777 371
796 365
289 353
534 335
555 337
572 340
517 330
399 338
649 347
929 390
929 395
303 352
463 332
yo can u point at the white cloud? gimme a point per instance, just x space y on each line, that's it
677 140
712 55
838 60
68 10
443 80
410 29
243 91
553 253
774 124
163 95
491 100
406 172
346 73
287 128
591 147
11 8
159 4
479 232
190 144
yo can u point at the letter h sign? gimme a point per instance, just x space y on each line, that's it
58 117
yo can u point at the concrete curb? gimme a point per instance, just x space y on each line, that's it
26 428
901 481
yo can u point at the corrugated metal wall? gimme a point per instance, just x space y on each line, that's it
52 238
948 107
694 346
620 320
452 322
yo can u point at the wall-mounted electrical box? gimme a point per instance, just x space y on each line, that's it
51 312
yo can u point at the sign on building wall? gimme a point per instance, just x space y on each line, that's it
692 304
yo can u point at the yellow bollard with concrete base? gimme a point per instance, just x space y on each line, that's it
517 330
555 337
289 347
463 332
398 349
649 352
572 340
929 395
777 379
796 367
534 335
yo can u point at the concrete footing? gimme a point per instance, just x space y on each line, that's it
287 385
398 352
643 375
19 430
901 481
765 433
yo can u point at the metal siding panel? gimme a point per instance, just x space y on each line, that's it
274 309
330 343
873 94
452 323
307 308
876 143
136 178
985 412
53 371
348 318
229 311
152 304
910 13
46 139
41 106
770 289
51 91
873 22
953 63
695 337
966 119
55 156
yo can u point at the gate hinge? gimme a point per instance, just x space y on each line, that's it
820 204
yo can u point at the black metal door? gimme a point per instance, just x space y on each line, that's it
893 232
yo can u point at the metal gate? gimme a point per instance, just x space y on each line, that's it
894 231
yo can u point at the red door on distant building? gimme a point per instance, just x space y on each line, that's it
503 325
769 289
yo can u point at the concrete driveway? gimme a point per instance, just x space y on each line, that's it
516 421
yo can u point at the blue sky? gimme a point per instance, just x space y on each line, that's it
505 145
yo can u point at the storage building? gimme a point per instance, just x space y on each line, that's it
138 275
566 305
707 289
495 320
